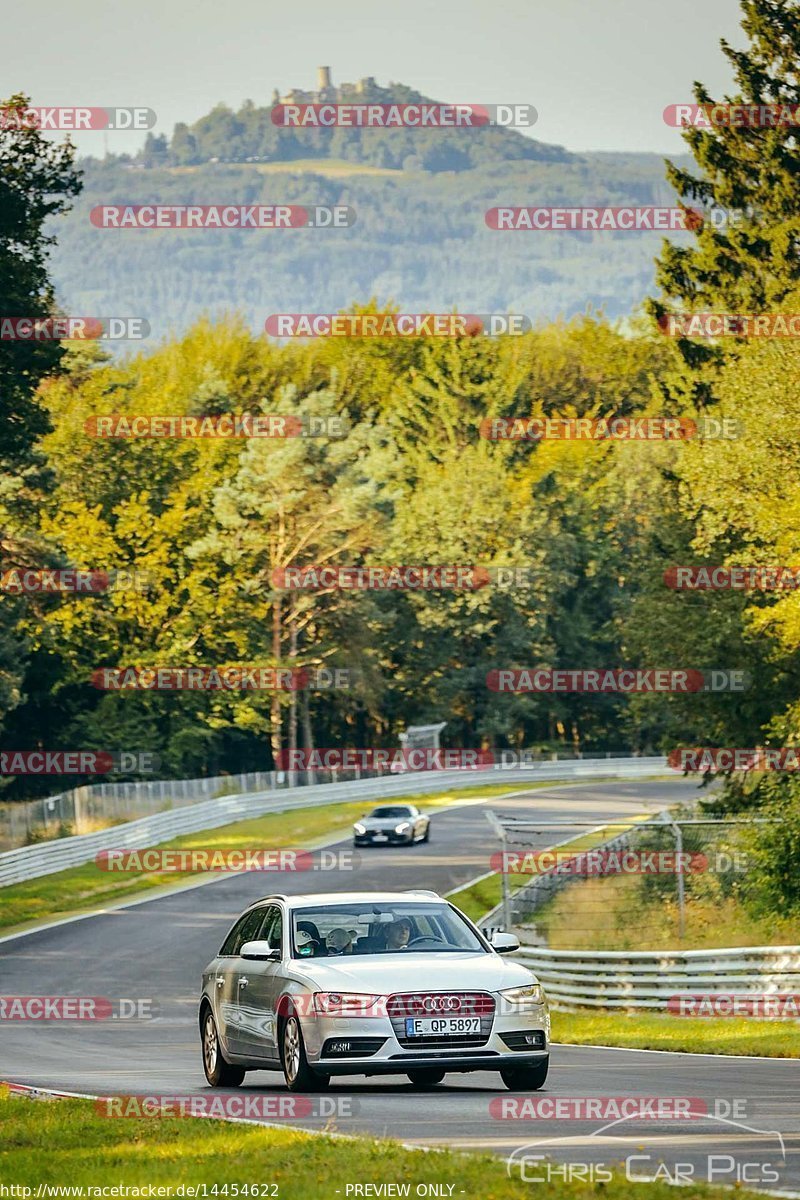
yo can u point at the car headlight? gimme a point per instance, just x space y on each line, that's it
402 827
521 999
359 828
349 1004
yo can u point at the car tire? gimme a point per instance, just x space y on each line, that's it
299 1076
426 1077
526 1079
427 837
218 1071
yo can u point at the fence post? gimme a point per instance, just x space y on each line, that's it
676 829
505 884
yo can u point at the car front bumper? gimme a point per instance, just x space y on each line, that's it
370 1046
388 838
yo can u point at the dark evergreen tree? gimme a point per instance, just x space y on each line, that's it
37 178
752 170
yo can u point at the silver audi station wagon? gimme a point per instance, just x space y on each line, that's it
369 983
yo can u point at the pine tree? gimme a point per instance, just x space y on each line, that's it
37 179
752 264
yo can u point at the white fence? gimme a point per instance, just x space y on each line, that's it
29 862
647 979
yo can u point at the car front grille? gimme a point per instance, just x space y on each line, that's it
441 1004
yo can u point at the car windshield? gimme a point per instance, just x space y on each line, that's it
380 927
390 812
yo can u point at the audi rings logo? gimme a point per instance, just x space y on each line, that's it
440 1004
420 1004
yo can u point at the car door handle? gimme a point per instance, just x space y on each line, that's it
220 981
243 982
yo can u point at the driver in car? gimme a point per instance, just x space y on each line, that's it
398 934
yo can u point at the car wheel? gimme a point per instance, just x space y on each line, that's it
426 1077
526 1079
427 837
298 1074
219 1072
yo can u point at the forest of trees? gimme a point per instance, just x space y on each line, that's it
205 522
419 237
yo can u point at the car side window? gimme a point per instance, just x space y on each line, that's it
245 929
272 928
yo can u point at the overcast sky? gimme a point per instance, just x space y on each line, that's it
599 72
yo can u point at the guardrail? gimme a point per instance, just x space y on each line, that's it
45 858
94 806
647 979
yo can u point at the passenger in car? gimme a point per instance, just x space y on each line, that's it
317 946
340 941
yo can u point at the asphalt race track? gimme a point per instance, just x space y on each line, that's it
157 948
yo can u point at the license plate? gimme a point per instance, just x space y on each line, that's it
426 1026
380 837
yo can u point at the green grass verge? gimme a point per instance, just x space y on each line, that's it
68 1143
621 913
657 1031
82 889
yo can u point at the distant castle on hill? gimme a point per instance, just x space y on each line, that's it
326 92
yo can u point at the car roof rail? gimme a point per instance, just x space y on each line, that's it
422 892
271 896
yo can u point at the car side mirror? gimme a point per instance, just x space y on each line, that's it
504 943
262 951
